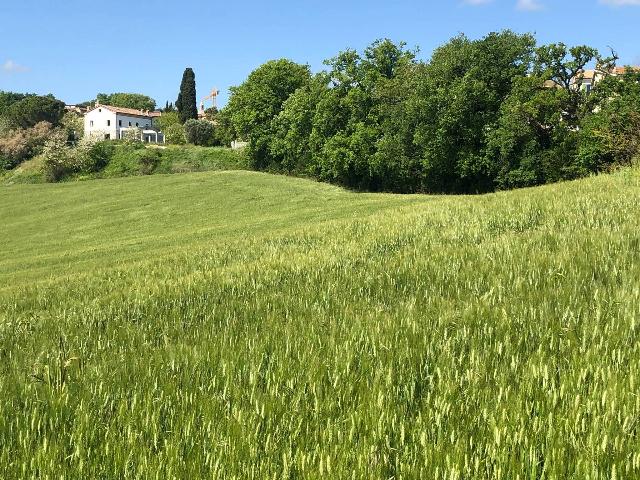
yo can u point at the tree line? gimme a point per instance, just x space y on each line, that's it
480 115
499 112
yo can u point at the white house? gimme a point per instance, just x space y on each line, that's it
587 79
109 122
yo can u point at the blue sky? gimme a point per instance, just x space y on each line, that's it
76 48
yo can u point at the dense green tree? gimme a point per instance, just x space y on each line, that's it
290 149
199 132
349 120
610 134
564 67
331 127
497 112
256 103
456 103
34 109
224 132
536 140
9 98
170 125
186 102
531 144
127 100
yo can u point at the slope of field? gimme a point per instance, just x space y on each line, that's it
240 325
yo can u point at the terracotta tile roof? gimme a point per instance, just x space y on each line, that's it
130 111
622 70
588 74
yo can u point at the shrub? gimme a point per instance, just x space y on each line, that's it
73 125
148 161
175 135
100 154
58 158
5 127
21 144
170 125
90 155
199 132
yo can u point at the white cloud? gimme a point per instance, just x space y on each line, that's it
529 5
477 2
620 3
12 67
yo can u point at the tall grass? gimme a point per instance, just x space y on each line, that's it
239 325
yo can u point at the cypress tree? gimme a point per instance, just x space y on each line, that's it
186 103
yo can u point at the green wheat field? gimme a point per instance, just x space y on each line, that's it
232 325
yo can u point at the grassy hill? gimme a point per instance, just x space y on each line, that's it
125 161
241 325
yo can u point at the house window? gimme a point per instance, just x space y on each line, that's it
129 123
137 124
119 123
100 110
108 123
91 123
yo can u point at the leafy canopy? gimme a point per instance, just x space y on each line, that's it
127 100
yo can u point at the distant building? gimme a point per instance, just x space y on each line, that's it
108 122
587 79
78 109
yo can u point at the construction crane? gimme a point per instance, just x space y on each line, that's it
212 96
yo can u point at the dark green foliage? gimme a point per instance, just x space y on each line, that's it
457 100
199 132
127 100
527 144
537 136
172 128
290 148
186 102
148 160
224 132
611 135
100 154
33 109
480 115
256 103
9 98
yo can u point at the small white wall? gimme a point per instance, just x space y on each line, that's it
100 126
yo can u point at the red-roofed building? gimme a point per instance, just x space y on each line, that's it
109 122
588 78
